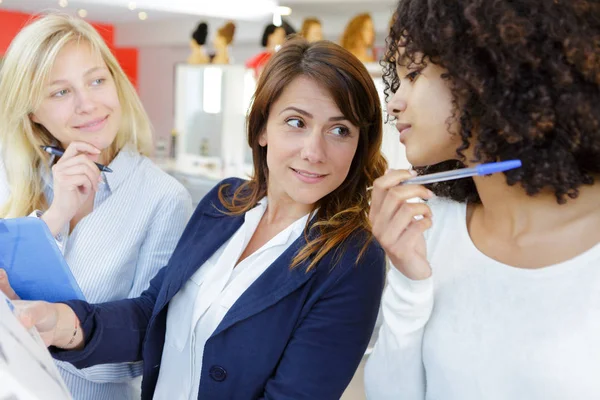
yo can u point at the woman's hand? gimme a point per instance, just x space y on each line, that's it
56 323
395 226
5 286
76 178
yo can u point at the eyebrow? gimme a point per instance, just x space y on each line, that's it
88 72
309 115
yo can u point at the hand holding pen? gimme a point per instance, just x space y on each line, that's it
75 178
395 221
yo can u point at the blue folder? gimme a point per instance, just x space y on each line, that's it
35 266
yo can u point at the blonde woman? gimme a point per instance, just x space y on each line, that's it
61 86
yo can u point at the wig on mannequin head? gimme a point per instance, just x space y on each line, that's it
200 33
353 34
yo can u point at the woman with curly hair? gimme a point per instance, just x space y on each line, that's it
499 298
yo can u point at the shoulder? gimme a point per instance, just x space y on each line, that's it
359 259
161 186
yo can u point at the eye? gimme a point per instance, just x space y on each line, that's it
412 76
295 122
98 81
60 93
341 131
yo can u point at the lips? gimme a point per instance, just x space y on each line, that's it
402 127
307 174
92 124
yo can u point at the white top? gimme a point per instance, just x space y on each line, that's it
138 216
198 308
479 329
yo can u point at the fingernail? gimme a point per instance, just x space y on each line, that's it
413 172
387 170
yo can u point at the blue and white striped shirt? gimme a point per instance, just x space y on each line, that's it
139 214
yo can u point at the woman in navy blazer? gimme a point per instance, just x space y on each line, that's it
301 328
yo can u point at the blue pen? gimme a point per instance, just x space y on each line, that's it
59 153
479 170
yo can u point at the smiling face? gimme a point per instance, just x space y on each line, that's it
310 144
423 109
80 99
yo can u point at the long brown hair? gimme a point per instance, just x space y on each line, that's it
344 211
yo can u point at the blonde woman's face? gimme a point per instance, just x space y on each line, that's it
80 99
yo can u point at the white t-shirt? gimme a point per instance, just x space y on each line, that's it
480 329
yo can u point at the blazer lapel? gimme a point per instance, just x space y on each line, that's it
212 231
274 284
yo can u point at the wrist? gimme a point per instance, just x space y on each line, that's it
68 335
54 222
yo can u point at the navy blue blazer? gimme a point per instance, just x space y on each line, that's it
292 335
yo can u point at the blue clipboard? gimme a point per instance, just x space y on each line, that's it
35 266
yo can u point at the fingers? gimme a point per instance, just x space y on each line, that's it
76 148
382 184
79 165
5 286
33 314
392 223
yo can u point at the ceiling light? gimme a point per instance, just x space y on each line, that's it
63 3
142 15
82 13
132 6
284 10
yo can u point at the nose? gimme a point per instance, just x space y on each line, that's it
85 103
313 149
397 104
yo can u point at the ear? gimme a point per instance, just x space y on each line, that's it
34 118
262 139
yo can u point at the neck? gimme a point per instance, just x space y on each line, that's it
283 210
510 212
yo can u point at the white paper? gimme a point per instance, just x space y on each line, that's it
27 371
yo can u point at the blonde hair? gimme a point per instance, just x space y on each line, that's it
25 70
352 36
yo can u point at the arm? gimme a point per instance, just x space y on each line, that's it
159 244
395 368
327 347
112 332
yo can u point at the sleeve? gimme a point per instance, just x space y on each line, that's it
61 238
395 368
115 331
329 344
160 242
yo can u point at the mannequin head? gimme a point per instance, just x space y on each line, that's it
224 36
359 33
311 30
273 36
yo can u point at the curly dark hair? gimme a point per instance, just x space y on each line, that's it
526 74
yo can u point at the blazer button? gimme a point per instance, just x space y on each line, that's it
217 373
